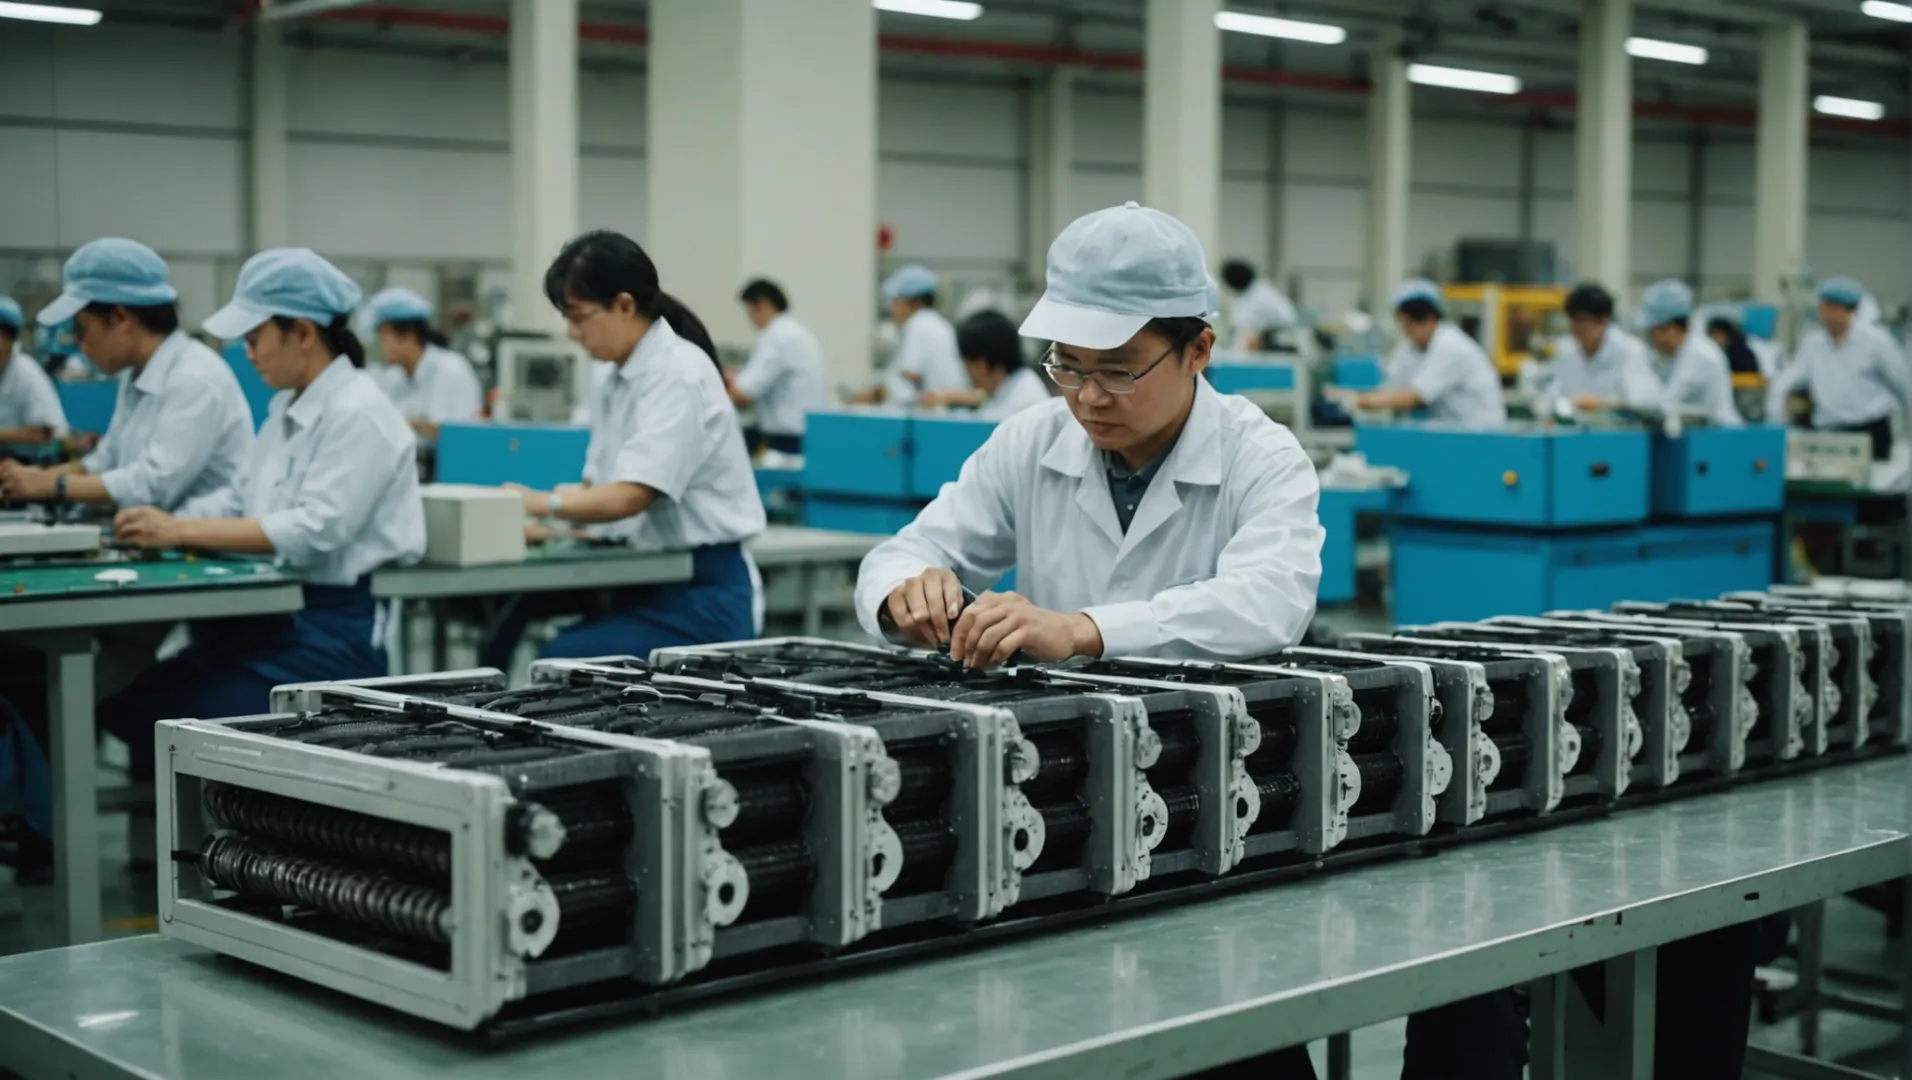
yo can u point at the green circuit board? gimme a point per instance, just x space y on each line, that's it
37 578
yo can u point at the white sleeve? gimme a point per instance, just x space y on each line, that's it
1891 366
969 528
1639 387
1790 380
42 405
352 467
185 436
456 395
1262 596
1443 369
763 369
667 444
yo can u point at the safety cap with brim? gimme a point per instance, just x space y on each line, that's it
110 270
1112 271
10 314
1419 289
395 303
1664 302
1843 291
296 283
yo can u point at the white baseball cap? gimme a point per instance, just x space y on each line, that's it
1112 271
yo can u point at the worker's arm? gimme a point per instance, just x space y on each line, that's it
1390 399
1639 386
188 432
972 399
1262 596
657 462
594 505
32 434
35 484
150 527
759 373
1790 379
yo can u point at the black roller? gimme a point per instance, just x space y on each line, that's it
359 896
1066 825
769 806
1510 709
1184 807
1181 746
926 781
1279 735
325 830
1064 764
1379 724
1590 743
1515 748
780 875
929 846
1381 778
1280 797
596 820
592 898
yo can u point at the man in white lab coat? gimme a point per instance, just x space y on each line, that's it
1145 514
1698 377
1851 368
1599 366
1261 309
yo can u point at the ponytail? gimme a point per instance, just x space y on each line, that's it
600 265
338 338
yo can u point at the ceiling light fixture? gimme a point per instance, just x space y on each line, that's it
50 13
1485 82
1852 108
1290 29
961 10
1886 9
1673 52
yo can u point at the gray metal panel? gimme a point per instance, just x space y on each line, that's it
1226 978
230 599
615 568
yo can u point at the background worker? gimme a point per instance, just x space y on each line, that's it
429 381
992 353
783 379
926 357
1851 369
1261 310
30 411
1599 366
1698 378
1436 367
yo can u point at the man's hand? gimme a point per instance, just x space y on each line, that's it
19 481
537 532
998 625
924 607
146 527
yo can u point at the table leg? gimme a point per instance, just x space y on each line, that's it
441 635
1905 974
398 639
76 823
1812 974
1547 1044
812 606
1632 993
1341 1056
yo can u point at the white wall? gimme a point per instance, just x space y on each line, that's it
399 164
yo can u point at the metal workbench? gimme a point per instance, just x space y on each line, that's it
58 610
1152 995
806 551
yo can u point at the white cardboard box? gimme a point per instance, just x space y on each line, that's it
27 538
469 525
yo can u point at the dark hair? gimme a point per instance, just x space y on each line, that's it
765 289
157 318
422 331
1418 310
338 338
989 337
1237 275
927 299
1590 299
1728 327
1181 331
601 264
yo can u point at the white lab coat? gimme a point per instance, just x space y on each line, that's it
1221 561
1259 311
1454 378
1700 378
442 387
27 396
926 350
1852 382
784 376
1022 389
1619 371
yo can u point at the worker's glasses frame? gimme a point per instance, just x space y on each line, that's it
1119 383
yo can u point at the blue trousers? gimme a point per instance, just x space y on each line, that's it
26 782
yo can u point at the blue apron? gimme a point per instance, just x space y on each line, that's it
716 604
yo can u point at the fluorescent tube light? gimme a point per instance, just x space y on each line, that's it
935 9
1649 49
1269 26
1886 9
1849 107
50 13
1486 82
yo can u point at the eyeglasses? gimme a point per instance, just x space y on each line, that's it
1120 383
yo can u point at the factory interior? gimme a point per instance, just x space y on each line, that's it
916 539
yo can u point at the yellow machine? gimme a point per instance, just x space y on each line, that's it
1508 320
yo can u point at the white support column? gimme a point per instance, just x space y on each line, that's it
1603 243
1051 165
268 176
1182 115
1779 194
544 151
1390 135
738 187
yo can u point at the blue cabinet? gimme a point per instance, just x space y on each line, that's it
862 452
1717 472
938 447
539 456
1534 479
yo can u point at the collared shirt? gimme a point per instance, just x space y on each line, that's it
332 483
27 396
1453 377
784 376
664 421
1220 562
926 359
1260 309
1023 387
1618 371
1700 378
1128 487
181 436
1852 382
442 387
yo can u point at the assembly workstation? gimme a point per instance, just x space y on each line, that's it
476 599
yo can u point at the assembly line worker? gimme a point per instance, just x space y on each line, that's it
1726 327
30 411
331 493
1598 365
666 468
992 351
428 381
181 433
1852 369
1437 367
1698 376
926 355
1260 307
783 379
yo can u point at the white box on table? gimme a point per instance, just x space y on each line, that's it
472 525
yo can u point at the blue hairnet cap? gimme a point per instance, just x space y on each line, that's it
398 304
1843 291
294 282
10 313
909 282
1665 302
110 270
1420 289
1112 271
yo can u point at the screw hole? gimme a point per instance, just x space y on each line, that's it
1021 840
876 865
726 893
531 922
1241 807
1148 826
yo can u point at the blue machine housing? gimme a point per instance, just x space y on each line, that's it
88 405
1231 376
1359 372
1338 509
857 452
258 394
938 447
1521 478
1720 472
539 456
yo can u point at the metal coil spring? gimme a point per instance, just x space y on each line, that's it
929 847
1280 798
592 898
780 875
1379 723
355 895
326 829
1510 706
926 781
767 807
1381 778
1184 806
596 819
1181 746
1279 735
1515 750
1066 825
1064 763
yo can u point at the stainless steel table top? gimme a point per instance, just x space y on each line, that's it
544 570
786 545
1143 996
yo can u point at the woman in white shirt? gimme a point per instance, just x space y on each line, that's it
428 382
30 411
992 353
666 469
